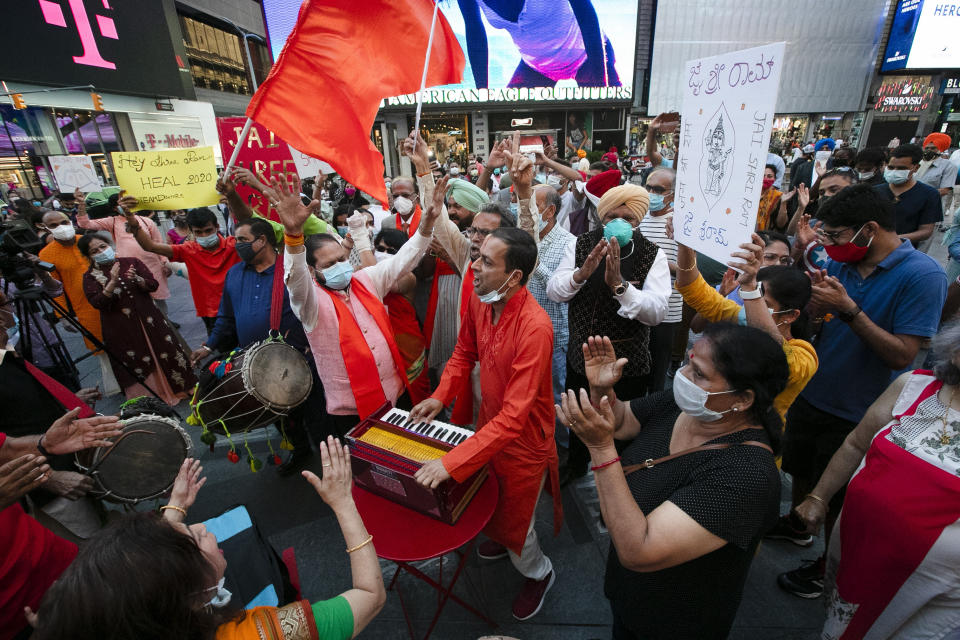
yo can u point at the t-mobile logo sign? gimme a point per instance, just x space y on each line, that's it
53 14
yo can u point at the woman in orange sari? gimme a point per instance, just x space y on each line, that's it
770 215
153 578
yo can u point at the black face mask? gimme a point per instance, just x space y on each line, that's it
245 251
929 155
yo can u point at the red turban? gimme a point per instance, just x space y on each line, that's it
610 157
941 140
601 183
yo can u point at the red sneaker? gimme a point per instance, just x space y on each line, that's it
490 550
528 603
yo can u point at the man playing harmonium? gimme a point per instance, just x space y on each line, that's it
506 330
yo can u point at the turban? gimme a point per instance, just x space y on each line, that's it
941 140
581 153
611 157
634 197
601 183
583 166
468 196
825 142
808 149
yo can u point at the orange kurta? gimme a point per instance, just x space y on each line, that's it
516 422
71 265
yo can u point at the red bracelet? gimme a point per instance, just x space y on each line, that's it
605 464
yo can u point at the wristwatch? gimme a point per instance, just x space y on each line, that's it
620 289
848 316
750 294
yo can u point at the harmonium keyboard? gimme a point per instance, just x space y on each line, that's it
386 449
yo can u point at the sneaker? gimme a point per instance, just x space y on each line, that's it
490 550
784 530
805 582
528 603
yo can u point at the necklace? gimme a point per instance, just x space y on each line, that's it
944 436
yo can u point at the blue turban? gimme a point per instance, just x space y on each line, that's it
826 142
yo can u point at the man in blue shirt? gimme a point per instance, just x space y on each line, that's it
917 205
244 318
885 299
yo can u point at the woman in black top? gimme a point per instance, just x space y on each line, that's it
684 530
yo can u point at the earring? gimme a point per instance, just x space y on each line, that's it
735 409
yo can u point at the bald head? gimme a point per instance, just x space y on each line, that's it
53 219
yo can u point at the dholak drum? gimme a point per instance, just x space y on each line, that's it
142 463
265 382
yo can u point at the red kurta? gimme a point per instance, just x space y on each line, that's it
516 423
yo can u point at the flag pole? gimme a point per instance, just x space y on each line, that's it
236 149
426 65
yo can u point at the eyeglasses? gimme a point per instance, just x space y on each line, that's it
389 250
773 257
832 236
483 233
658 190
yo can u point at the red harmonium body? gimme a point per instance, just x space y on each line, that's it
386 450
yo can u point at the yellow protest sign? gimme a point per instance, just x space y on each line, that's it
174 179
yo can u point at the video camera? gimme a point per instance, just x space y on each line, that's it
17 237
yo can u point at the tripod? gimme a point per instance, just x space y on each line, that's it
32 300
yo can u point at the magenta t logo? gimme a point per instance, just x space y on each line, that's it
53 14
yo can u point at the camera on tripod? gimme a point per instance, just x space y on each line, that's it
17 237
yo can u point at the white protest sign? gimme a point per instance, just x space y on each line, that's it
74 172
727 115
308 167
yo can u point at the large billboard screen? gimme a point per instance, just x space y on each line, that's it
122 46
523 51
923 36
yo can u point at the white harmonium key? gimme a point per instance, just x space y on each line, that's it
435 429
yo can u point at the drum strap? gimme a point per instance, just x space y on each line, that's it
276 301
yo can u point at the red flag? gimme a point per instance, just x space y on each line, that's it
341 59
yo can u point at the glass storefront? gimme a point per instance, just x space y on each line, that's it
788 131
447 135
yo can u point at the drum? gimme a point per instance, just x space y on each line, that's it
265 382
142 463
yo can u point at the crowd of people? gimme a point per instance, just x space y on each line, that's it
544 303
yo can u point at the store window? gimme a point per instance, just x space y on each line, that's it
91 133
22 144
217 57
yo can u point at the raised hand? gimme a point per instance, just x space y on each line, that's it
592 262
594 428
242 175
415 148
498 155
728 283
334 488
435 208
289 206
81 202
226 186
602 367
803 196
187 485
68 433
750 260
20 476
805 233
115 272
788 196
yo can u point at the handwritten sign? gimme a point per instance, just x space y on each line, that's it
174 179
727 117
75 172
307 166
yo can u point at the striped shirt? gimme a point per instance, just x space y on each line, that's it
654 229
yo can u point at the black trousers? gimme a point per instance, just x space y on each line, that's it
208 323
628 388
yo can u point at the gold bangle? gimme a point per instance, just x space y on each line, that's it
173 506
293 241
361 545
425 173
679 268
820 500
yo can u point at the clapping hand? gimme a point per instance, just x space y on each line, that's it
334 487
829 294
594 427
602 367
115 273
591 262
729 282
612 275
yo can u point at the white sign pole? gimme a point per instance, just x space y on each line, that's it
426 65
727 117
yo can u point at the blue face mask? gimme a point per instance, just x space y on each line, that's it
542 178
210 241
106 256
620 229
514 208
13 333
338 276
656 202
543 224
496 172
343 231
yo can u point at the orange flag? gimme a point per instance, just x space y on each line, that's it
341 59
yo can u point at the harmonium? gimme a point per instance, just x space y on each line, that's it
386 449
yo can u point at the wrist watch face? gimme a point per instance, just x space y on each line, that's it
620 289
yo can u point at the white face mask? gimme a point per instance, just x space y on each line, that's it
402 205
692 399
823 156
64 232
381 255
866 175
496 295
222 597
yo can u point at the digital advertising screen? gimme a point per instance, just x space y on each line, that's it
923 36
522 51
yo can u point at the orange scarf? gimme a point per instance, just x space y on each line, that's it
361 365
414 222
463 406
410 344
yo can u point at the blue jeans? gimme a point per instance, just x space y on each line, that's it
559 380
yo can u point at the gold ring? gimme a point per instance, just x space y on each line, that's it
328 465
274 204
572 424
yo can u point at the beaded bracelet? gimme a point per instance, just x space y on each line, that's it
605 464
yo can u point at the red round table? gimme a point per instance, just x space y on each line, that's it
403 536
